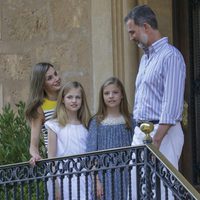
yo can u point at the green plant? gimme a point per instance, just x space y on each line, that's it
14 147
14 135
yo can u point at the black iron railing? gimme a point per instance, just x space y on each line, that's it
118 169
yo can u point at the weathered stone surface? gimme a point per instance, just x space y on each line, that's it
14 67
14 90
43 31
68 54
61 32
71 14
22 20
0 21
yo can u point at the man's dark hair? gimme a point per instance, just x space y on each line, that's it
142 14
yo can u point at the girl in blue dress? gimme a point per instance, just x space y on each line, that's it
111 127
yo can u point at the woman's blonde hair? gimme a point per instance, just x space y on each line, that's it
102 109
83 113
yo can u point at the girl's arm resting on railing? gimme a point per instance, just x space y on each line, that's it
99 187
52 152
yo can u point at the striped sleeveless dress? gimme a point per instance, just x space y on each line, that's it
48 108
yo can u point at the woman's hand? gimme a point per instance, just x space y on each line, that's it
34 158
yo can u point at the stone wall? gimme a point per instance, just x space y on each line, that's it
37 31
86 40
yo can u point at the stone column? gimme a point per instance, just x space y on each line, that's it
112 53
102 47
131 56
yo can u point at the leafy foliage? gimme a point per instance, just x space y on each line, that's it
14 135
14 148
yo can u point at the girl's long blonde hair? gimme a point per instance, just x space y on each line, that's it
102 109
83 113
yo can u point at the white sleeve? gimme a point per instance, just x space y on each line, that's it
53 125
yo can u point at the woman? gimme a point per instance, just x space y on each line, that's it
44 87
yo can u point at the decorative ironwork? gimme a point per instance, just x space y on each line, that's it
147 128
153 173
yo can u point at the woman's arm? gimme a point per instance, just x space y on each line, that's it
36 125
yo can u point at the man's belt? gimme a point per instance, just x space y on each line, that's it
152 121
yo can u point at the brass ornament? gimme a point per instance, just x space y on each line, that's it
147 128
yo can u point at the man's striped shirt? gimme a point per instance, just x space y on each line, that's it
160 84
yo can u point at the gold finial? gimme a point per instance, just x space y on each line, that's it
147 128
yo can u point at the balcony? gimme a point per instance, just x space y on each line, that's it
140 172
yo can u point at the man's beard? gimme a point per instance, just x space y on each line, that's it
143 41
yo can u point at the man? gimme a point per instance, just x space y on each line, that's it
159 84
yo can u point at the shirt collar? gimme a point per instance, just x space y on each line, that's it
155 47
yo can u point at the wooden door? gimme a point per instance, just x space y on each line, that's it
186 26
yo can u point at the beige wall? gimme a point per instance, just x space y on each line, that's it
34 31
113 53
85 39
